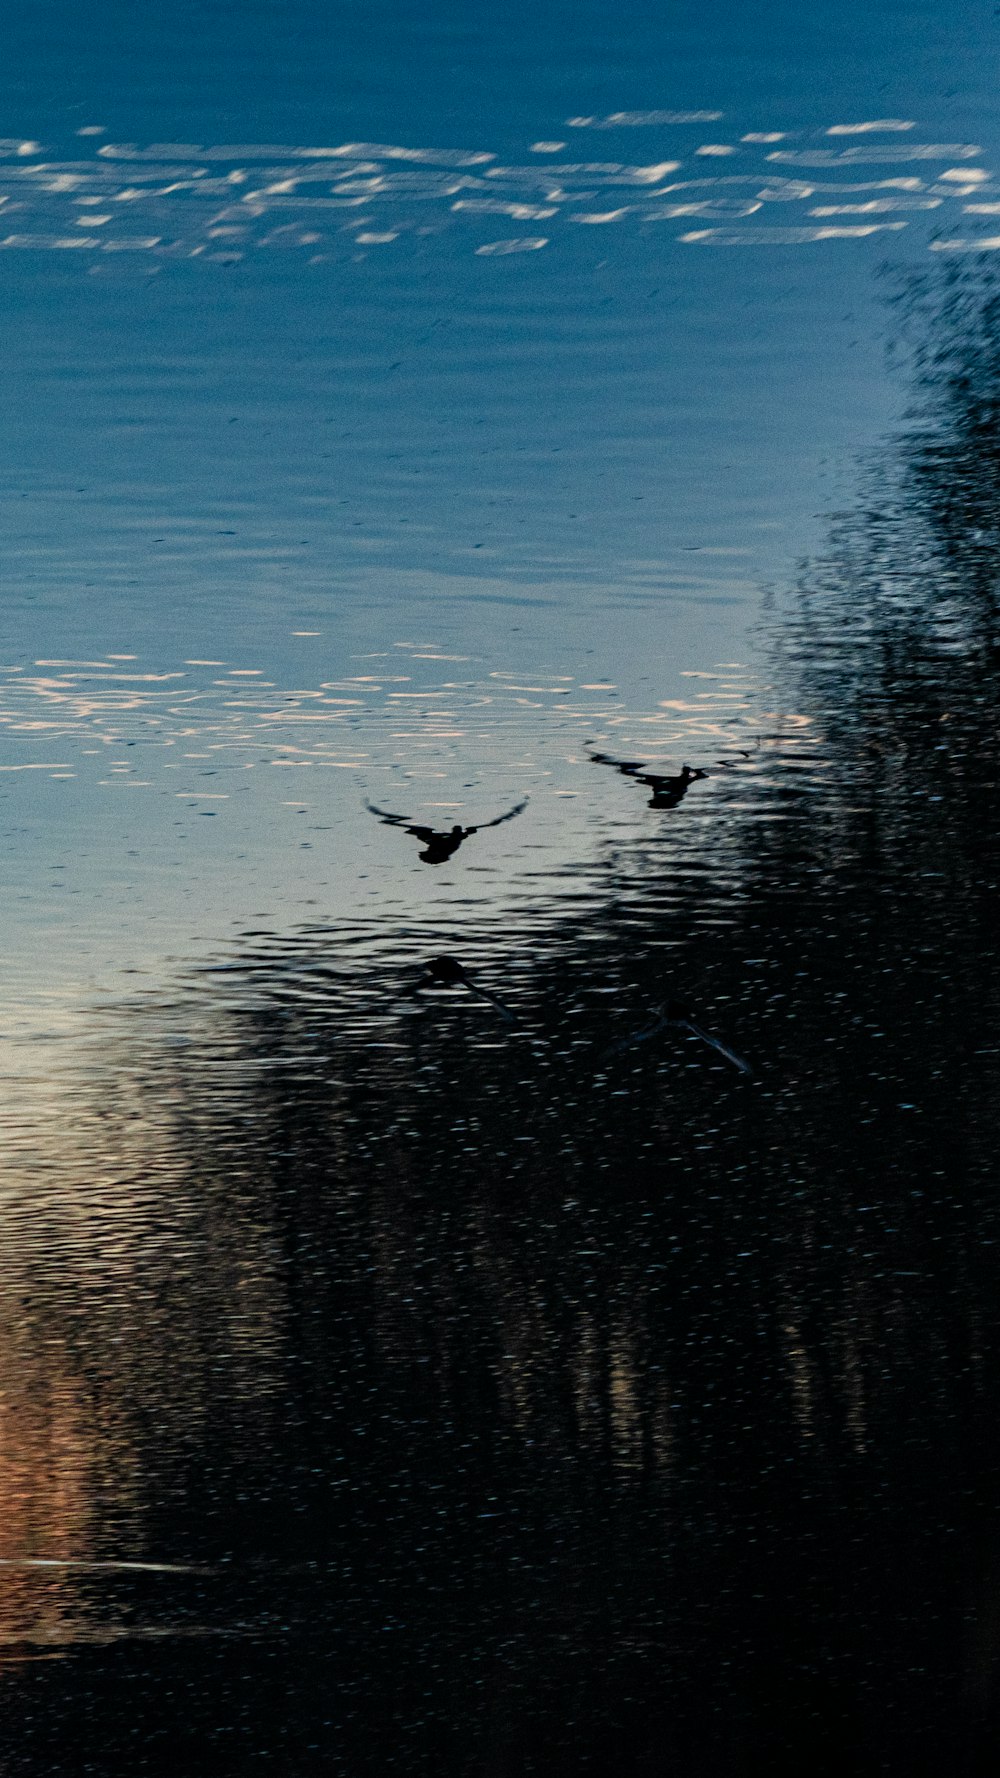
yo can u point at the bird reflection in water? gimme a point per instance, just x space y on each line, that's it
447 972
676 1016
668 790
440 846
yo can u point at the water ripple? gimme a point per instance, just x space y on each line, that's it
225 201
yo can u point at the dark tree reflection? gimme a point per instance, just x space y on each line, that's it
627 1415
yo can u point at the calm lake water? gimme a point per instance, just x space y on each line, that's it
581 1356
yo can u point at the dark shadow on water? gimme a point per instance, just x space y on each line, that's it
668 791
591 1409
439 845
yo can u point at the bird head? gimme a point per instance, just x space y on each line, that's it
444 969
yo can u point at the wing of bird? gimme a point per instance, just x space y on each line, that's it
425 834
624 1043
384 815
630 766
665 1022
427 981
716 1044
484 994
516 810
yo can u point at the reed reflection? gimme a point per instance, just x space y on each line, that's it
138 1307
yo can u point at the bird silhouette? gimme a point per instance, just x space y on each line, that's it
667 790
675 1015
440 845
447 972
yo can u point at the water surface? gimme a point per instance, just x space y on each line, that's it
393 1379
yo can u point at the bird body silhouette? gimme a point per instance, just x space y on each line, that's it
440 845
675 1015
448 972
668 790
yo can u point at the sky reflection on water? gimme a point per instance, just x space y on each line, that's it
117 769
297 197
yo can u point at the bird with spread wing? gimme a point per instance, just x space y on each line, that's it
668 789
440 845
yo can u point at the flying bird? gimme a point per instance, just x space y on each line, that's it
440 845
667 790
447 972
